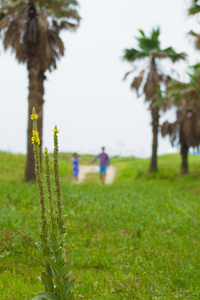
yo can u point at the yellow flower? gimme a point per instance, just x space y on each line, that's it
45 150
35 139
34 117
56 130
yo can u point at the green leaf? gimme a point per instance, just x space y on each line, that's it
49 296
54 227
194 9
54 241
42 236
142 32
68 288
46 251
61 238
48 269
60 287
60 256
40 263
52 263
47 282
38 298
40 246
65 271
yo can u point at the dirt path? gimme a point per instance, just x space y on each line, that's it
95 169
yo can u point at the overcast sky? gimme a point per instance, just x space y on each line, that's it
86 96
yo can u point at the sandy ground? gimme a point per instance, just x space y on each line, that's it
83 170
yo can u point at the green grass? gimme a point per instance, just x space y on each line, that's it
136 239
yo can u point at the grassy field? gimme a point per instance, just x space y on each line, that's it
138 238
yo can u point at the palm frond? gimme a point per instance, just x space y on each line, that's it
133 54
142 32
171 129
196 37
138 81
194 9
126 75
173 55
4 21
147 44
195 67
155 33
192 33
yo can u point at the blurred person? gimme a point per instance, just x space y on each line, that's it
75 162
103 164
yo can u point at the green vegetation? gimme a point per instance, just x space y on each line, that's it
151 78
136 239
32 29
55 263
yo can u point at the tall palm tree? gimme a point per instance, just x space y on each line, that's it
151 78
32 30
186 129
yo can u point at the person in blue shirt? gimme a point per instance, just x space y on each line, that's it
75 163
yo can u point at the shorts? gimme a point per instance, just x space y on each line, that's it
103 170
75 172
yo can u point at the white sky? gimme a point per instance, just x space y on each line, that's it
86 96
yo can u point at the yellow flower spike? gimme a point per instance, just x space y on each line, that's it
56 130
45 150
34 117
35 139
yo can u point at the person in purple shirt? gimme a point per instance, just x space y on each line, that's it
103 163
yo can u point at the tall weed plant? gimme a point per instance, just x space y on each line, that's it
55 263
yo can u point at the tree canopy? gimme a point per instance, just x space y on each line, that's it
53 16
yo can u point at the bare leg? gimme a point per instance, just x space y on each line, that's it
75 179
104 178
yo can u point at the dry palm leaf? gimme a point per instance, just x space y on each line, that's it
138 81
126 75
152 84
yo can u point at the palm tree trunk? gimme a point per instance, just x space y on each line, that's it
32 66
184 157
32 102
41 79
155 124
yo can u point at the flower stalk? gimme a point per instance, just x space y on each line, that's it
36 143
56 274
48 182
57 180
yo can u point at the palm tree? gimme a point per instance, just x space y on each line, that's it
186 129
32 30
151 78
